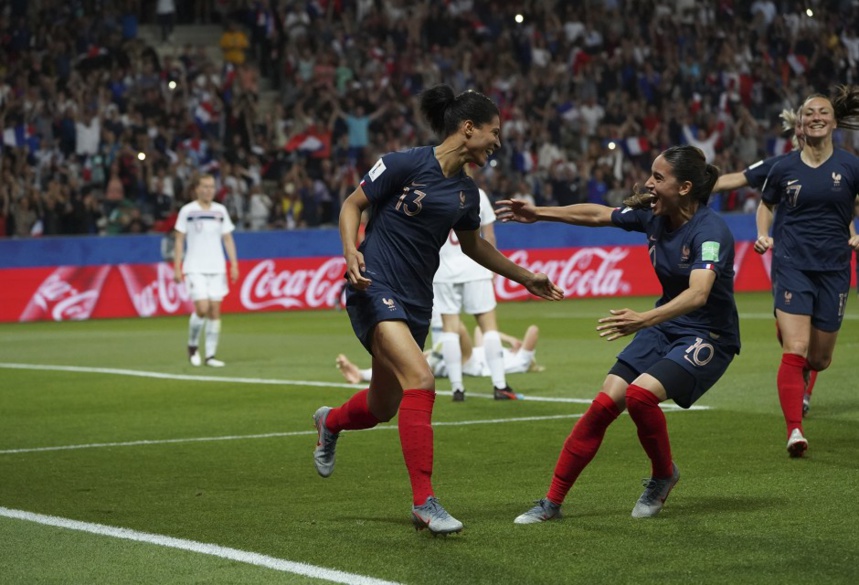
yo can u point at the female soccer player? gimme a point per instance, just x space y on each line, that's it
682 346
206 226
415 197
814 189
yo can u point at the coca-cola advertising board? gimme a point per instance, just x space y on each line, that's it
148 290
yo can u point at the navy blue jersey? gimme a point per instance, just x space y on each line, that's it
704 242
757 174
414 207
815 208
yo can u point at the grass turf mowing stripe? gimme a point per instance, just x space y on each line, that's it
214 550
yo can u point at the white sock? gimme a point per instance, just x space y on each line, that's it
495 358
366 374
213 332
451 351
194 328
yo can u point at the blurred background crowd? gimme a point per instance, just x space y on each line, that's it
107 108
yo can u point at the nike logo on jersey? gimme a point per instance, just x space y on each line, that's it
791 182
418 184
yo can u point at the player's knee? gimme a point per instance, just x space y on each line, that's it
819 363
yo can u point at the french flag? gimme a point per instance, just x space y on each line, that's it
20 136
635 145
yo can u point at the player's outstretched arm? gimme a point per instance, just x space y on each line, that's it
584 214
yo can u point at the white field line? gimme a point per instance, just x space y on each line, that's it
143 442
383 427
163 376
214 550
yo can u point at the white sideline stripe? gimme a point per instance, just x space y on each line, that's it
163 376
214 550
666 407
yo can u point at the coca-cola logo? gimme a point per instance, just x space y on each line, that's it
588 272
61 297
70 302
265 287
161 293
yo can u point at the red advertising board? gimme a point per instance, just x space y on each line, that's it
147 290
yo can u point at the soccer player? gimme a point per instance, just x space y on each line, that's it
207 227
682 346
462 285
518 355
814 260
815 191
415 197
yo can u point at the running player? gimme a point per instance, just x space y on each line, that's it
415 198
681 347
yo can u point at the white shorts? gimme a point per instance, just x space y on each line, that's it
473 298
202 287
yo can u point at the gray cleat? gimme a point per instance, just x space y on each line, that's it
323 455
656 491
433 516
543 511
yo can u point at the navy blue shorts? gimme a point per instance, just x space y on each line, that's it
823 295
704 359
376 304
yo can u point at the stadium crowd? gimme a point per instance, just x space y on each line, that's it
102 131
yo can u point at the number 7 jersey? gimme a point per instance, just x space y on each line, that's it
815 208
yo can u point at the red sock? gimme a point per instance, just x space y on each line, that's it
791 387
581 446
416 436
812 378
353 415
643 407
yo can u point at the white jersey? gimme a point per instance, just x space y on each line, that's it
204 230
454 266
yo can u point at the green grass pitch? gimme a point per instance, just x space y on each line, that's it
185 454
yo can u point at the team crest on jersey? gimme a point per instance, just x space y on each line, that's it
787 297
836 180
685 252
461 199
390 304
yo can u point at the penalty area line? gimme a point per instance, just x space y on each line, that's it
204 548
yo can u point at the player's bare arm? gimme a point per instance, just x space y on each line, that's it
623 322
487 255
350 219
584 214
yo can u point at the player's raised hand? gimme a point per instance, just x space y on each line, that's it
515 210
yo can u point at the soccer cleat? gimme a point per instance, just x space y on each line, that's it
194 356
505 393
459 395
543 511
656 491
323 455
213 362
796 444
433 516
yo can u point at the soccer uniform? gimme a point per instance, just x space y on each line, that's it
515 362
461 284
757 173
414 207
811 257
204 264
704 341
